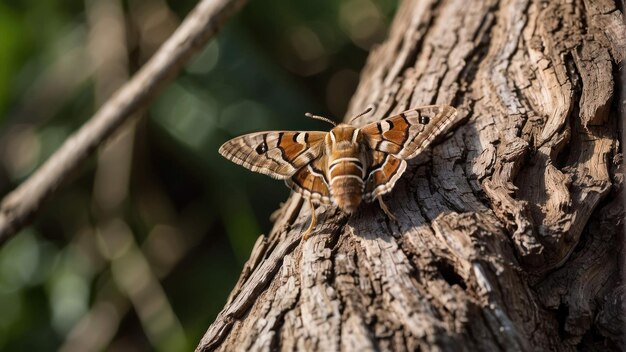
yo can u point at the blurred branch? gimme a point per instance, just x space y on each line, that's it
19 206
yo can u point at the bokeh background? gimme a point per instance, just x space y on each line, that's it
140 248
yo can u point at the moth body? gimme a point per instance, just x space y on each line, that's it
345 169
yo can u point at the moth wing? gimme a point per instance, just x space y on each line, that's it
310 181
408 133
279 154
382 174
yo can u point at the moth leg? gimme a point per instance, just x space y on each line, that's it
383 206
313 221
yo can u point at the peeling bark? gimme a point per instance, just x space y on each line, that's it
509 233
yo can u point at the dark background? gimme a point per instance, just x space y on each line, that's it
152 271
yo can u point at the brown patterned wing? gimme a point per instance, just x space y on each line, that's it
408 133
382 174
279 154
311 182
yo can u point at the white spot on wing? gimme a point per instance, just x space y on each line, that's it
300 138
385 126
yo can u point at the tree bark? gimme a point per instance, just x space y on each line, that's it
509 233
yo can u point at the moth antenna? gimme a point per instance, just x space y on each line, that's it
321 118
361 114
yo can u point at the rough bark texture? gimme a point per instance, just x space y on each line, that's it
510 232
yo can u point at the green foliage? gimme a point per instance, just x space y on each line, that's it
189 217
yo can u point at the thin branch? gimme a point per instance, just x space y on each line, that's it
19 206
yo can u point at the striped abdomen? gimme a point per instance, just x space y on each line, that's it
346 182
345 169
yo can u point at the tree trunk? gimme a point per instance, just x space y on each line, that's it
509 233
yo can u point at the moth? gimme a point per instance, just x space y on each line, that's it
346 165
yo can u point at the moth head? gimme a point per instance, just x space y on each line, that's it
344 138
